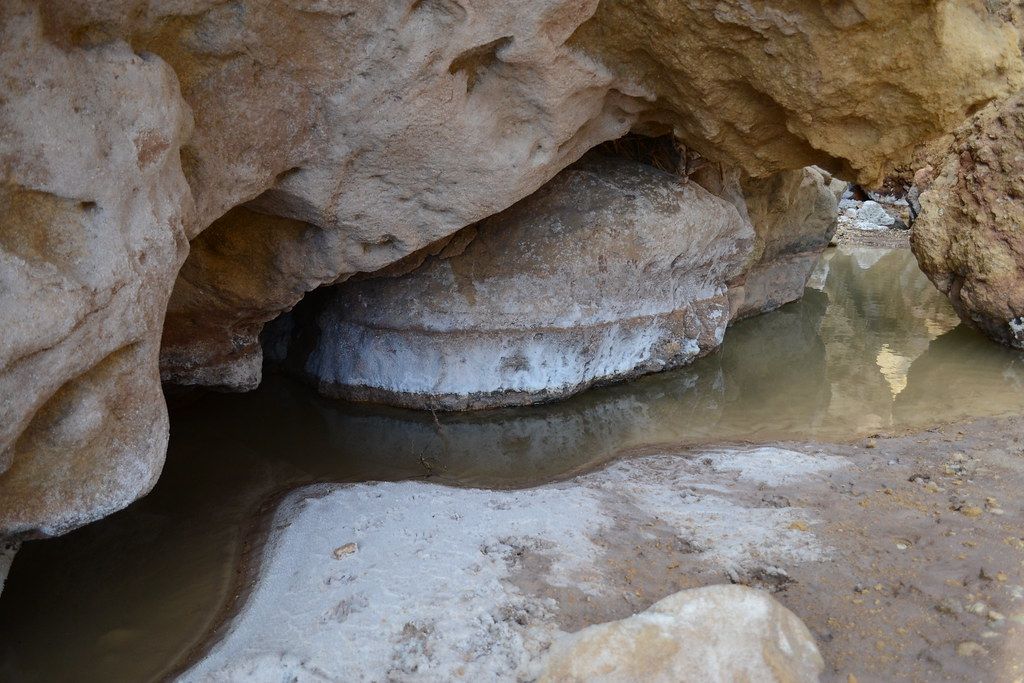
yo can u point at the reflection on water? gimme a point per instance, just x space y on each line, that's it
871 346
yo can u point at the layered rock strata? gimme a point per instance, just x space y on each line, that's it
969 239
612 270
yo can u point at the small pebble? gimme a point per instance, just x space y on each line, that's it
344 550
978 608
970 649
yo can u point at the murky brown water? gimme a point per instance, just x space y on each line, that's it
874 347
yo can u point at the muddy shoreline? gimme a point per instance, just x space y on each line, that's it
886 609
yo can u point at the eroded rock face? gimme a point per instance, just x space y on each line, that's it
353 134
389 126
715 633
773 86
793 215
611 270
93 203
969 239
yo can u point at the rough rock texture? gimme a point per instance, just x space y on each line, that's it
93 201
611 270
969 239
715 633
772 86
355 134
794 217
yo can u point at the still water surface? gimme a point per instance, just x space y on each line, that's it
872 346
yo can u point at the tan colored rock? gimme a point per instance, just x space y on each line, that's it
93 201
716 633
794 218
388 127
852 86
793 215
969 239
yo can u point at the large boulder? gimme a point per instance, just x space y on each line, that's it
387 126
93 204
969 239
611 270
716 633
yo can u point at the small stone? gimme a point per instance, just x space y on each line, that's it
799 525
871 443
344 550
978 608
950 606
995 616
970 649
971 511
872 216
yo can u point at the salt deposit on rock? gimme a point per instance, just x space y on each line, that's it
612 270
458 583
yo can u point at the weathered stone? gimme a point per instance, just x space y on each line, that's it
716 633
969 239
93 203
613 269
794 218
871 216
391 161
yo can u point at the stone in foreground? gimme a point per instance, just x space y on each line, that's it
715 633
